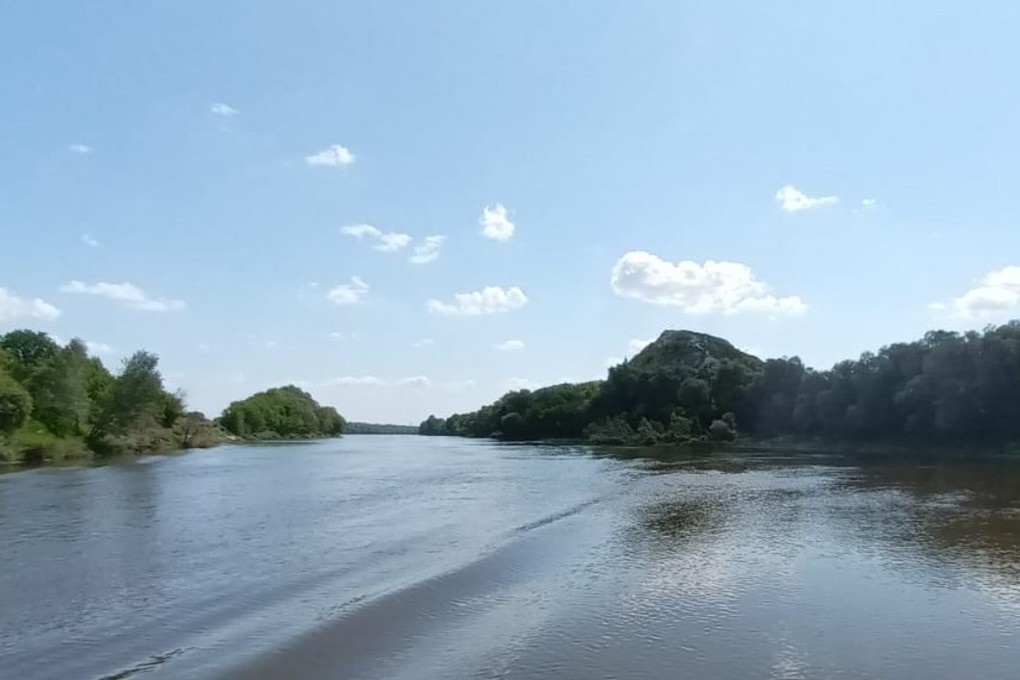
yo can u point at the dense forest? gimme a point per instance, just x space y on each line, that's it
58 402
379 428
686 386
281 413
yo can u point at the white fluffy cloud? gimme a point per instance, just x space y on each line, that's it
366 380
335 156
13 308
391 242
221 109
995 295
415 381
352 293
361 231
489 300
90 240
709 288
424 342
80 148
510 346
127 294
868 204
496 224
427 250
791 199
386 241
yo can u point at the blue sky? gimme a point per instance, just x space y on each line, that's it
248 188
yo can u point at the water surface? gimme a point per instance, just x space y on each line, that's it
406 557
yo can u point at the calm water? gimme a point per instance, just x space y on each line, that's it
389 557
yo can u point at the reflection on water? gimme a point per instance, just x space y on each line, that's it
393 557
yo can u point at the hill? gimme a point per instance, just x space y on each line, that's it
685 349
946 387
676 389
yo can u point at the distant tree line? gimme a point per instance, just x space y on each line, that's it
377 428
281 413
945 387
59 402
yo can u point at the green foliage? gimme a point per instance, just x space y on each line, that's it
31 351
556 412
194 431
171 408
281 412
720 431
377 428
690 386
59 390
15 404
57 402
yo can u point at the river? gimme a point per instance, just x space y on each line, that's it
417 558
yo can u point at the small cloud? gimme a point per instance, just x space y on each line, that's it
270 344
221 109
428 250
361 231
868 204
365 380
424 342
510 346
496 223
352 293
127 294
415 381
613 361
98 347
90 240
342 337
385 241
489 300
794 200
81 149
708 288
203 346
336 156
994 296
13 308
389 243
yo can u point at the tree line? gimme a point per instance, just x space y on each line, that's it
945 387
282 413
379 428
59 402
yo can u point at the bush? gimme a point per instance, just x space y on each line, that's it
15 404
720 431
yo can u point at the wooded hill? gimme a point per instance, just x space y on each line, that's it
945 387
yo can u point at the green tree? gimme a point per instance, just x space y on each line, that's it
59 390
15 404
281 412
